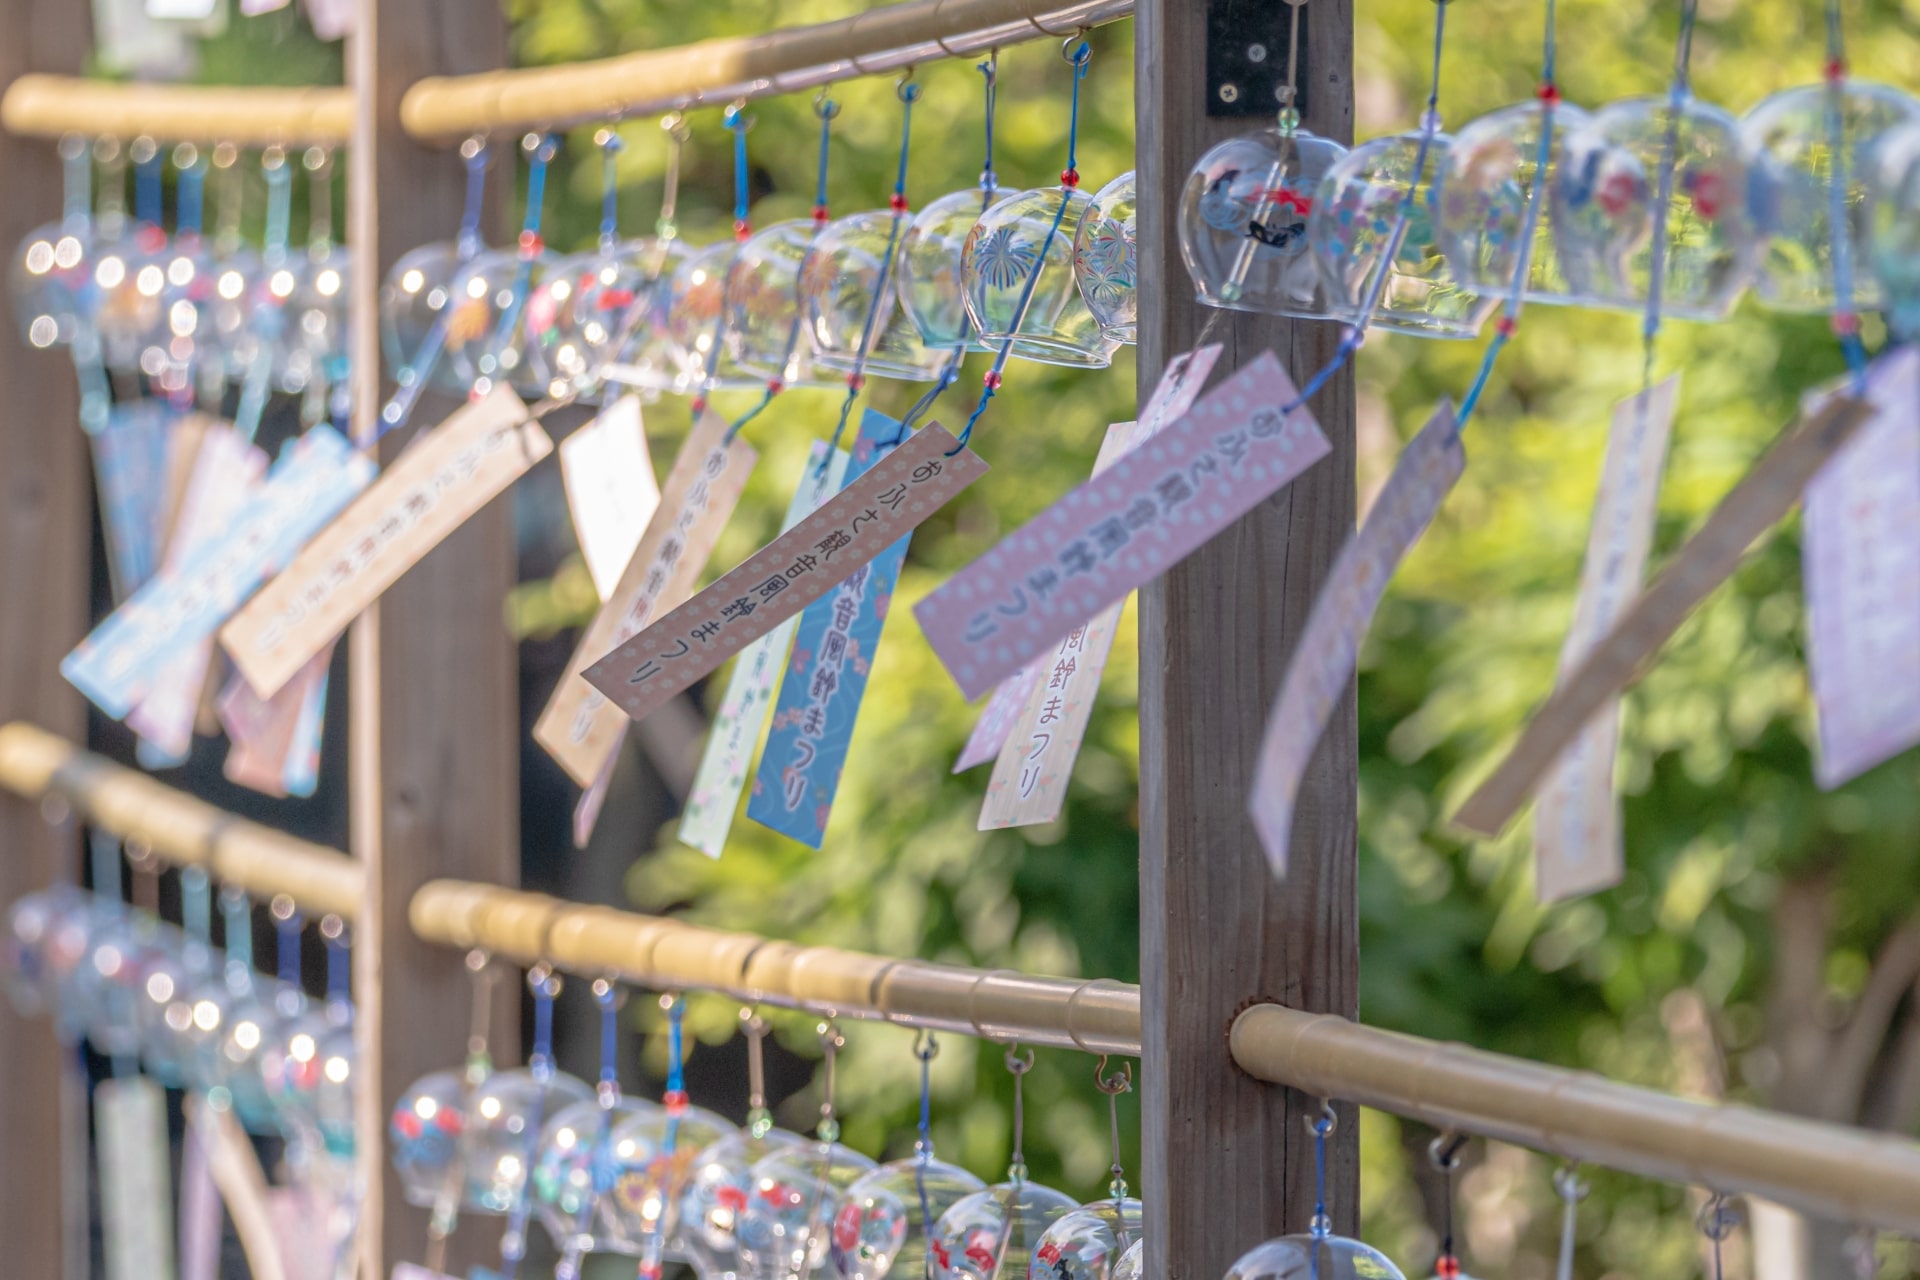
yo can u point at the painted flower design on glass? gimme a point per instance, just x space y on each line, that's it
1106 264
1004 259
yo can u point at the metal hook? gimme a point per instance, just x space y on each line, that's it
824 107
904 88
926 1046
1017 1065
1076 49
1444 1150
1323 1124
1116 1084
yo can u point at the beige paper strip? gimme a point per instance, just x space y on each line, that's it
429 491
136 1192
1030 775
611 489
1708 559
1576 820
579 728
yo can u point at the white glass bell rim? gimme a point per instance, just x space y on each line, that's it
898 368
1041 349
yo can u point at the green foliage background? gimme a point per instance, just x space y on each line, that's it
1721 814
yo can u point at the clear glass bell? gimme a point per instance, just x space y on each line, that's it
647 1196
51 282
258 1013
224 337
928 268
503 1123
1086 1243
413 297
1892 248
1105 261
1354 214
109 981
618 316
423 1135
762 303
333 1090
318 341
1243 224
998 263
1490 176
716 1196
32 923
967 1240
551 324
1604 214
1789 134
882 1226
793 1194
168 1008
837 289
575 1173
1133 1262
129 275
702 346
483 294
1313 1257
291 1067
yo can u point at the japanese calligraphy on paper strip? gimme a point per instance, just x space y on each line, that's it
225 470
749 697
1863 581
578 727
316 476
1576 824
1323 658
611 489
826 677
429 491
1708 558
1122 528
790 573
1179 384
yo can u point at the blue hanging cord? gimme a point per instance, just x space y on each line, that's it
909 93
1069 182
1321 1228
609 190
541 155
146 185
273 254
1846 319
411 380
989 180
190 193
1509 322
923 1148
737 120
339 970
236 921
545 985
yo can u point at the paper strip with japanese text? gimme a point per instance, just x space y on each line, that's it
1861 549
1122 528
1173 395
136 1191
578 727
1767 493
1324 656
749 697
611 489
430 490
826 678
275 742
226 468
315 477
790 573
1035 763
1576 822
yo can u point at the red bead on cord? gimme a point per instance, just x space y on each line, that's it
1447 1267
674 1100
1507 326
775 386
992 380
699 405
820 213
742 229
1836 70
531 243
897 202
1846 323
1069 177
855 382
1548 93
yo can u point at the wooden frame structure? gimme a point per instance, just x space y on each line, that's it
433 708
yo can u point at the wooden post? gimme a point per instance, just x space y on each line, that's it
1228 1160
45 555
434 698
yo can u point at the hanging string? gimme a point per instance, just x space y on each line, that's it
479 1065
411 380
989 187
545 984
236 925
925 1048
1567 1182
1113 1086
540 149
825 108
1081 54
273 255
339 971
1717 1220
96 391
1509 322
653 1252
1321 1126
1846 320
286 914
908 93
1017 1067
1444 1151
607 1094
759 1117
739 122
147 166
610 144
666 230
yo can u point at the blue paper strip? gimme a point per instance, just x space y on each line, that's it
826 677
315 477
130 465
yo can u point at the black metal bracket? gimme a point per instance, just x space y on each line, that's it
1247 57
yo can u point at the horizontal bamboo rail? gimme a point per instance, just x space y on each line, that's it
177 827
719 71
1835 1171
1098 1016
1854 1175
52 106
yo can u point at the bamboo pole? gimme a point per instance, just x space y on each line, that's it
719 71
175 826
1832 1171
51 106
